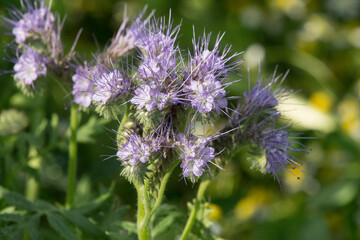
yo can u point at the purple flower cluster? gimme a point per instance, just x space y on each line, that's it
196 155
37 22
136 150
108 85
157 74
37 37
163 91
207 71
29 67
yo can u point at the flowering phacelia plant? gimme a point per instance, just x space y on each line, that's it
162 97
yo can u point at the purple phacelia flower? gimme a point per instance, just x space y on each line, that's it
195 155
158 50
37 22
109 84
136 150
205 61
260 97
206 95
157 39
29 67
83 85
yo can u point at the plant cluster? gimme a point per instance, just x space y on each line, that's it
172 106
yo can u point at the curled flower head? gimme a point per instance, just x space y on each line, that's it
259 105
29 67
195 155
109 84
207 95
277 148
83 85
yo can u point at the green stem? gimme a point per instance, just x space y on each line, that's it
190 222
143 211
163 185
32 186
72 157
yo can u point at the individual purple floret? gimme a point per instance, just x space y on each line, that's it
149 98
36 23
195 154
83 85
136 150
206 95
29 67
109 84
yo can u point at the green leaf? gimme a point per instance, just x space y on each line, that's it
93 205
12 232
130 227
83 223
88 130
6 217
16 200
166 224
32 227
60 226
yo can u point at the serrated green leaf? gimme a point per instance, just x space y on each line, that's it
83 223
44 206
91 206
16 200
6 217
58 223
166 224
12 232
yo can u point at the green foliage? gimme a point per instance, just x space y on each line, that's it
24 216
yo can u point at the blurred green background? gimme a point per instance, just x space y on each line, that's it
318 41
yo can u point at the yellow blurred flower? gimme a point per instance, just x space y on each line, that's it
249 205
321 101
349 117
217 212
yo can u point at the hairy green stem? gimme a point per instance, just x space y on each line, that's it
190 222
72 157
143 212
